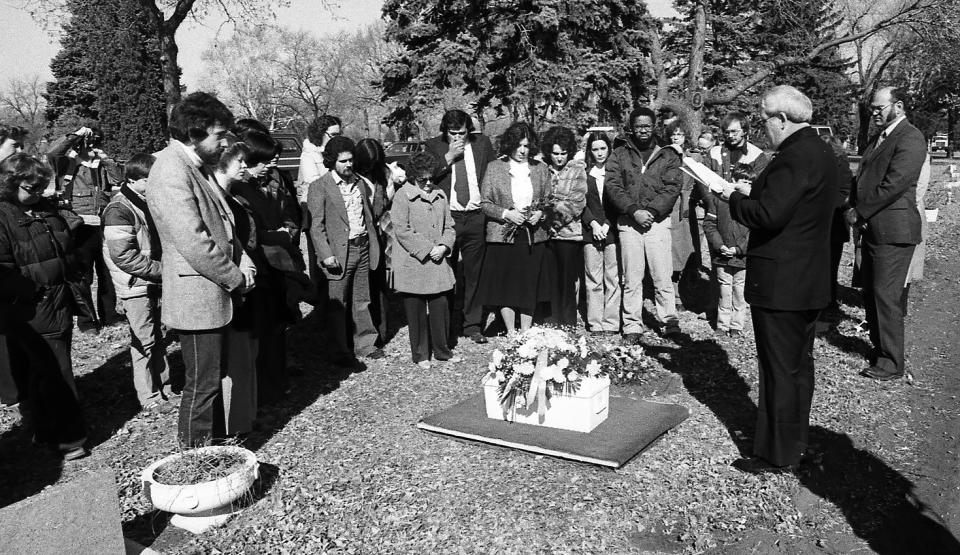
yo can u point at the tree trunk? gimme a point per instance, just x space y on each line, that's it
171 69
864 113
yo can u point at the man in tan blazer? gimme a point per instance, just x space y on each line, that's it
205 270
347 246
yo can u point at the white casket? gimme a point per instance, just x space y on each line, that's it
580 412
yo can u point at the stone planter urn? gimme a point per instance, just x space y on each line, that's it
201 506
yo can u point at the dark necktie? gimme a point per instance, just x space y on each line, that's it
461 187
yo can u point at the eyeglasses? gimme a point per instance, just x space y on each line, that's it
733 131
879 109
33 191
561 153
421 181
457 133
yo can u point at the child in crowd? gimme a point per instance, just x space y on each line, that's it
728 245
423 239
131 250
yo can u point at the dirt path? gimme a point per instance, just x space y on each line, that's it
933 339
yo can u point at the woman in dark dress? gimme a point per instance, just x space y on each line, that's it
36 303
513 191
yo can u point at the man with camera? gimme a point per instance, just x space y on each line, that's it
84 178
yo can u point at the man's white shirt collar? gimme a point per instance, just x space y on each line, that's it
893 124
191 153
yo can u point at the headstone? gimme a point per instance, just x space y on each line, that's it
80 517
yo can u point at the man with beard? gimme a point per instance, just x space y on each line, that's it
883 204
644 181
205 270
348 248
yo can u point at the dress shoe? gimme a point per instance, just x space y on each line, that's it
478 338
756 465
735 333
881 374
376 354
424 364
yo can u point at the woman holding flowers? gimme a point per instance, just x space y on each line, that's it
423 239
568 178
513 191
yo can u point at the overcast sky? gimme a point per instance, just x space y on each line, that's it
25 49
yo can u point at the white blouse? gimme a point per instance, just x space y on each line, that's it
521 188
599 174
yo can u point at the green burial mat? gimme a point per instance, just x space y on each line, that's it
631 426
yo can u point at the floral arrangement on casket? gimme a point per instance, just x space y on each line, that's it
549 377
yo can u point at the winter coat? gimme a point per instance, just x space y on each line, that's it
721 229
653 186
421 221
86 189
569 197
127 250
35 260
497 197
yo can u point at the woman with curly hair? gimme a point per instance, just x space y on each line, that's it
567 199
36 262
513 191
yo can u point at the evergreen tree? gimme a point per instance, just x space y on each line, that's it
546 61
108 71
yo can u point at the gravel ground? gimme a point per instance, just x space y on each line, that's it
346 471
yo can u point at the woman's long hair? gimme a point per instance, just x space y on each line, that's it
370 162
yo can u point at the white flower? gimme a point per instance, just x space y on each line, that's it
563 363
492 367
527 350
593 368
525 368
551 372
497 357
501 377
573 376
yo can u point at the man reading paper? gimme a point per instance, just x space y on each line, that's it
788 211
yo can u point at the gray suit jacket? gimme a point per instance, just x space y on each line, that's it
202 258
885 194
330 228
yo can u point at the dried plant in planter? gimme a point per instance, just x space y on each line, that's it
193 467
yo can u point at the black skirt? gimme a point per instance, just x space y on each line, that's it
512 275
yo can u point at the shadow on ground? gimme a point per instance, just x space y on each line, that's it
879 503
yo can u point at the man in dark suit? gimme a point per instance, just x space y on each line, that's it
884 205
788 212
348 248
466 154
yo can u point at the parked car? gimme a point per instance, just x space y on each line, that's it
400 152
823 130
290 155
940 142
